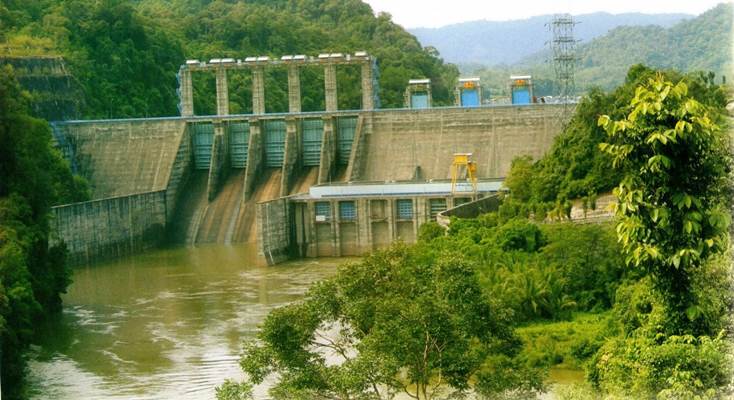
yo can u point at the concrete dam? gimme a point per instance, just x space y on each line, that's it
328 183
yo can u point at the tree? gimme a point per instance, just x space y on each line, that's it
402 320
33 176
672 207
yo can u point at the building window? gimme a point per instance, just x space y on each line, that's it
347 211
323 211
405 209
437 205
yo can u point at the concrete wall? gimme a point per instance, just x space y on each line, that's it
274 227
398 141
180 172
472 209
601 211
110 228
124 157
377 225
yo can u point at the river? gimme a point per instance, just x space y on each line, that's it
168 324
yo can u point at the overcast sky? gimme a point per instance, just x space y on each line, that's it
434 13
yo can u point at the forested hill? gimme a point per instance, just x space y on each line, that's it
699 44
125 54
507 42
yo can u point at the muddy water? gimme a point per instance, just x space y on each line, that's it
164 325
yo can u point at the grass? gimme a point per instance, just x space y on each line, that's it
565 344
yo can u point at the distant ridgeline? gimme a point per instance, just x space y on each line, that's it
55 95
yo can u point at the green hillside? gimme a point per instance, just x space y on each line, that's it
698 44
125 54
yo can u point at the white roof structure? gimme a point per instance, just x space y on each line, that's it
513 77
399 189
418 81
473 79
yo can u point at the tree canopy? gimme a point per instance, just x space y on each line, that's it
32 275
125 55
403 320
673 198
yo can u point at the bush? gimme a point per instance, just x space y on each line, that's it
520 234
430 230
681 367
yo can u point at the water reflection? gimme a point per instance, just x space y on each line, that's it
167 324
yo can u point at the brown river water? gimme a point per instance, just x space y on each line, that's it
164 325
168 324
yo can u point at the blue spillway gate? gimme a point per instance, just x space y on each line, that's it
274 143
312 131
521 95
239 134
419 100
470 98
203 139
346 126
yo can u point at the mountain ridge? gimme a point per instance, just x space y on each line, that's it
507 42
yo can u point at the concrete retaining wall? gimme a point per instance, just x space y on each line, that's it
109 228
399 141
601 212
123 157
471 210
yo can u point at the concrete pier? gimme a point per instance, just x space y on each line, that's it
254 157
368 100
291 158
222 92
187 93
294 89
258 90
328 150
219 165
330 87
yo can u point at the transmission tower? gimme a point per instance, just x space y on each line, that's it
563 47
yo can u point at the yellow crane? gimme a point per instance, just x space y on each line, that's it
464 166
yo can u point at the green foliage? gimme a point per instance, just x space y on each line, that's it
519 234
574 168
125 55
571 343
678 367
672 200
430 230
231 390
32 276
540 271
673 220
406 319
